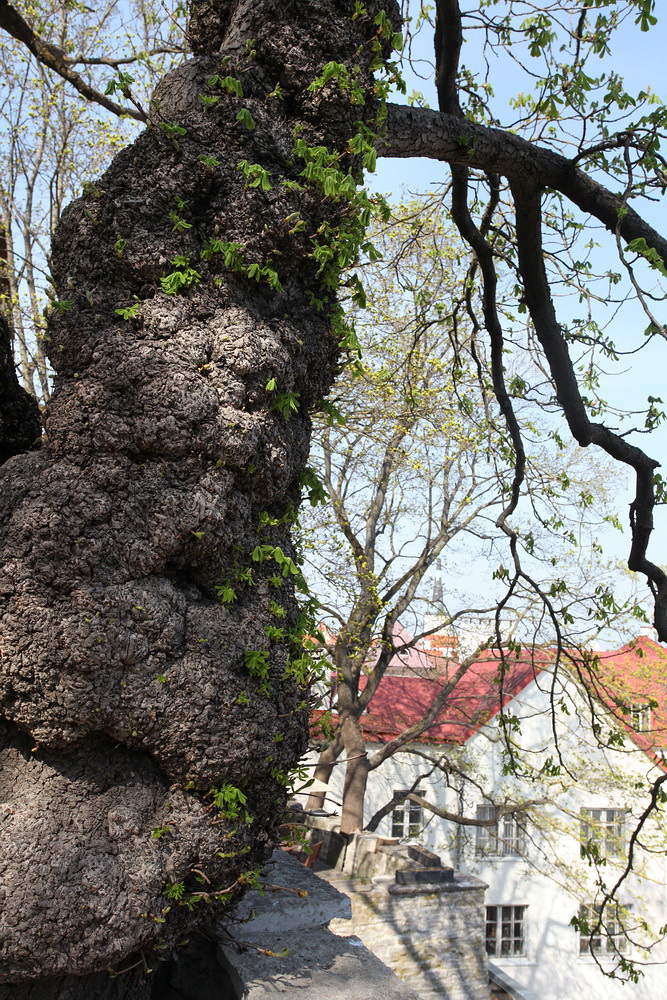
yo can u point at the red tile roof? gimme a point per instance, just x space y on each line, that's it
402 700
633 675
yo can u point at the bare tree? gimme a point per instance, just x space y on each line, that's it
416 465
55 143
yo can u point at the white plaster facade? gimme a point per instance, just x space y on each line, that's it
549 877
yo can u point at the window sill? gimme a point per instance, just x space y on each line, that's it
602 959
511 960
482 858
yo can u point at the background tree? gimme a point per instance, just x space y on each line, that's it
600 131
416 465
55 142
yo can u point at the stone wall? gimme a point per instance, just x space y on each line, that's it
431 936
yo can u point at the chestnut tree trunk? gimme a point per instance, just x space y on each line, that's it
151 695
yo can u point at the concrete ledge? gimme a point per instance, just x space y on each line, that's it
513 989
317 964
276 908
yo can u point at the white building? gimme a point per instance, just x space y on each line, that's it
587 764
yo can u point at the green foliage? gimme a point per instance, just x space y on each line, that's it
316 492
209 100
245 118
129 312
285 403
258 666
255 175
178 225
209 161
122 82
230 84
267 553
181 278
332 413
175 890
641 247
231 252
348 83
226 593
231 802
173 132
232 255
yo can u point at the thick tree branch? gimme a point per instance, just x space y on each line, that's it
397 798
55 59
448 42
429 717
420 132
505 810
508 809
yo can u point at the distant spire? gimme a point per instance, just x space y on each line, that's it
437 586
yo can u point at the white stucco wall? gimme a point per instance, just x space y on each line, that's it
552 879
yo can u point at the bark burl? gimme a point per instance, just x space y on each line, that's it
125 690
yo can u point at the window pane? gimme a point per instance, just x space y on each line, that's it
609 938
407 818
505 930
603 830
486 837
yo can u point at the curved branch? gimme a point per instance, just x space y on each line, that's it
584 431
448 42
505 810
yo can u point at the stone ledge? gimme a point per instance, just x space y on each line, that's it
276 908
318 966
460 883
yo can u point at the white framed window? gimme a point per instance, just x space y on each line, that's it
407 819
640 717
603 832
610 937
505 930
505 838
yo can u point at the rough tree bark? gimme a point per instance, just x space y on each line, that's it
125 693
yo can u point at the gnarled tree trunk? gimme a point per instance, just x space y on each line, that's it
126 692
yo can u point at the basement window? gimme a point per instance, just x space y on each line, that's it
505 931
